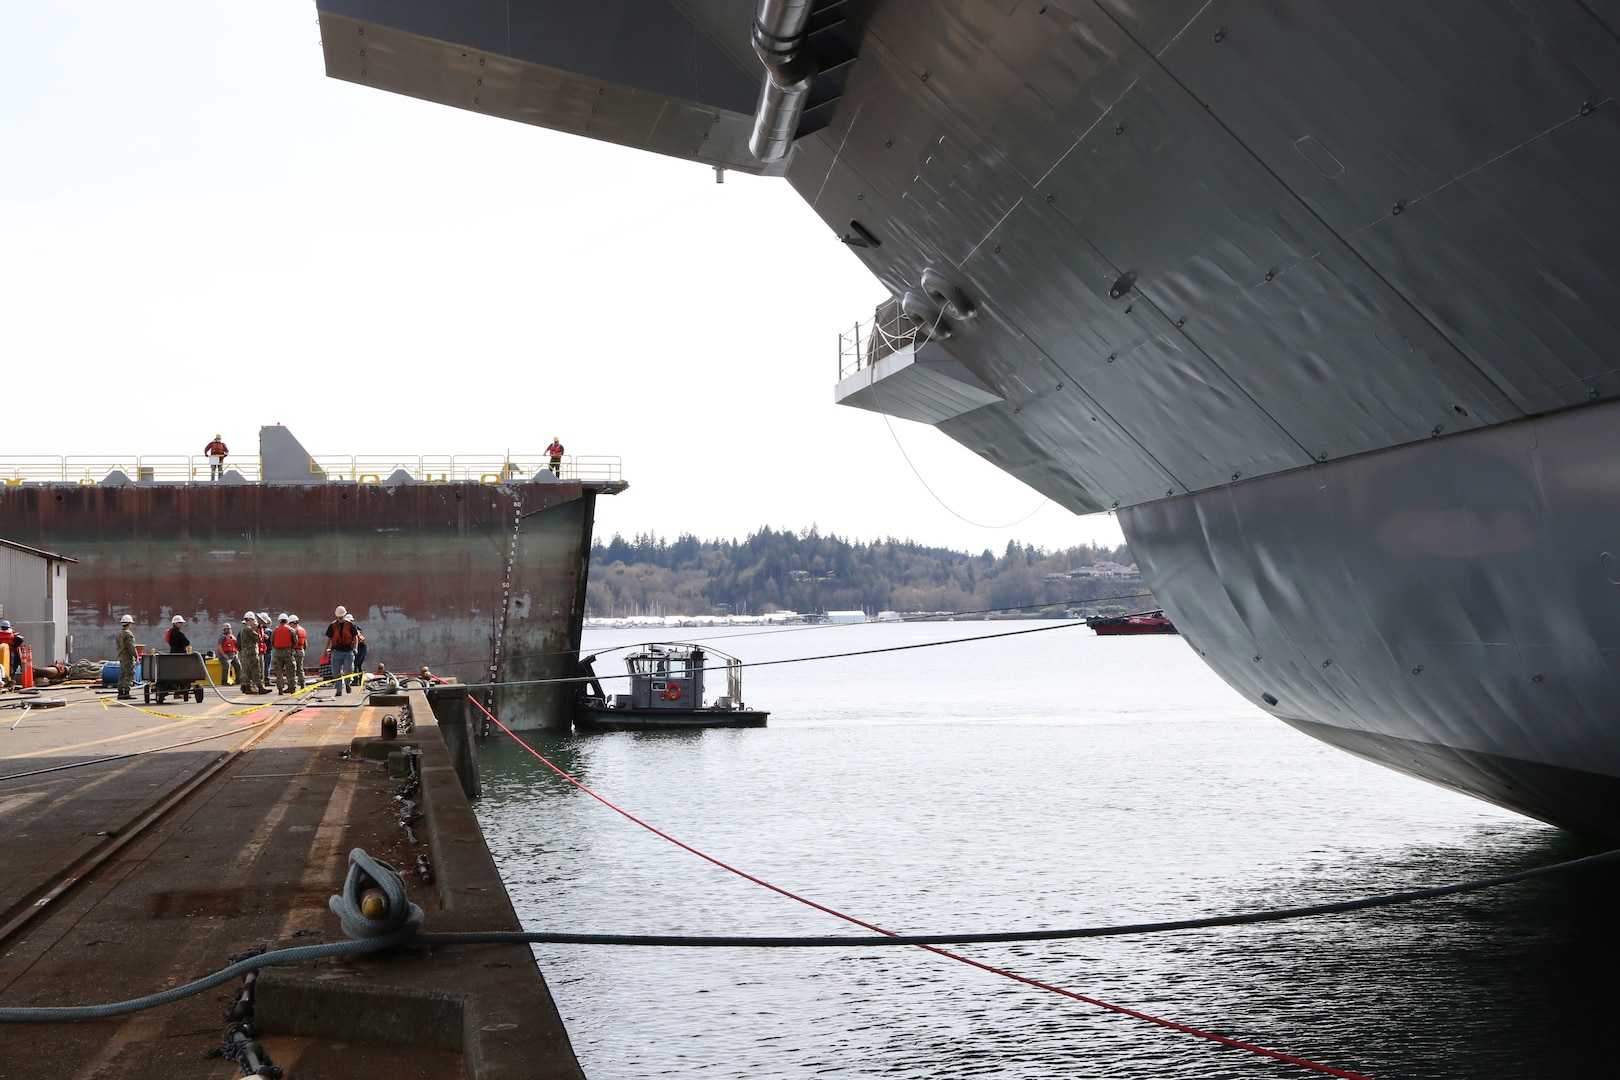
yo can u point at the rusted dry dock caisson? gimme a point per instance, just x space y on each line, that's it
479 575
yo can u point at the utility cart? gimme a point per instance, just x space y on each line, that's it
179 674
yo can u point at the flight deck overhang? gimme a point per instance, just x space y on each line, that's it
639 73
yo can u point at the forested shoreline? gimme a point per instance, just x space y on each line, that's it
806 571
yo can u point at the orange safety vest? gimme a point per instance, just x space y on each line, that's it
228 645
283 637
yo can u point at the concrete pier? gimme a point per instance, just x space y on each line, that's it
227 831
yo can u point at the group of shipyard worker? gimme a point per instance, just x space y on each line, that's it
216 452
265 650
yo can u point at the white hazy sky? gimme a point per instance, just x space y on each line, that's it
199 231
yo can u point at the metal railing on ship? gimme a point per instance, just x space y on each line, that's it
361 469
888 331
478 468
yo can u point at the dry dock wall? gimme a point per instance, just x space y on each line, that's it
436 574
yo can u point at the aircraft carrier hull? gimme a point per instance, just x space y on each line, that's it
1323 299
471 580
1450 609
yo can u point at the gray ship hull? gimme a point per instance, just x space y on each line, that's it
1323 299
1450 609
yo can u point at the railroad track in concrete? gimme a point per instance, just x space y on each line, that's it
43 897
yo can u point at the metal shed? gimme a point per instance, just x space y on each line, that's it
33 595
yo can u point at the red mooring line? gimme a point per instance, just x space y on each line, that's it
1276 1055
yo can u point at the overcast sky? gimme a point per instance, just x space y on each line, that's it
200 232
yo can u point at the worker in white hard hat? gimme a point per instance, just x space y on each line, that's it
300 644
126 658
249 647
176 637
340 635
230 658
282 640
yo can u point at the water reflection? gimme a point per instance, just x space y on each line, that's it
1007 823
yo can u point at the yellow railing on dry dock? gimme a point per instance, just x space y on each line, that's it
150 468
362 469
478 468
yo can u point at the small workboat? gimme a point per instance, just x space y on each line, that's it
1149 622
666 692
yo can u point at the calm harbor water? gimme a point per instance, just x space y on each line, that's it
1047 780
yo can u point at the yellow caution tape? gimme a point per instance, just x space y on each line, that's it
283 700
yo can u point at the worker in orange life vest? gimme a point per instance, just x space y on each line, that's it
9 639
229 661
282 640
340 635
299 647
216 452
555 452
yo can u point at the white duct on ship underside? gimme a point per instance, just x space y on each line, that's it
779 41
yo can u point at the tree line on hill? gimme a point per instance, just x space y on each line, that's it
806 571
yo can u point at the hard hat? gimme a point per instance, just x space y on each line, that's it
282 617
292 618
248 616
216 434
5 624
227 626
341 611
127 618
177 620
348 618
264 616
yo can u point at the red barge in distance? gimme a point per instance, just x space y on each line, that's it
1149 622
473 566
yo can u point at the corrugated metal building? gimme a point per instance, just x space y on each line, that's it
33 595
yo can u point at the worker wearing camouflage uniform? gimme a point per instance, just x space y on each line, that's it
126 658
252 661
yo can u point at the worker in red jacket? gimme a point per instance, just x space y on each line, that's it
283 639
299 646
216 452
